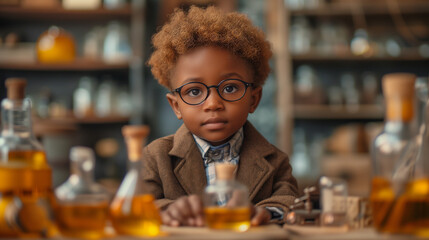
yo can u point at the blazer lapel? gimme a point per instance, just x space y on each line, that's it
253 169
190 170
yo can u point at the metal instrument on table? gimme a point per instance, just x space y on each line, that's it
302 211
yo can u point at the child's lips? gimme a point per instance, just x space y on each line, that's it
214 124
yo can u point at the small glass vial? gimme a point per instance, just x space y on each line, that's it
226 202
133 212
82 204
333 201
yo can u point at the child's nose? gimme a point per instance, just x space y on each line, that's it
213 101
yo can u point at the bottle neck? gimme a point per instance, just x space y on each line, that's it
135 165
134 148
84 170
16 118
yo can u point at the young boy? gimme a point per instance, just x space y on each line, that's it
214 64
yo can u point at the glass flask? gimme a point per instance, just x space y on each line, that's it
133 212
82 204
226 202
391 169
25 176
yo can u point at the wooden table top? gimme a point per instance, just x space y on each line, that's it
267 232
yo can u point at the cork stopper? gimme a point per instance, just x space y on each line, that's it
399 84
15 88
399 90
225 171
135 139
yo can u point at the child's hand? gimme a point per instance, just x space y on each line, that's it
185 211
260 216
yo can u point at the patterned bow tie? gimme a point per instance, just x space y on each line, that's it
218 155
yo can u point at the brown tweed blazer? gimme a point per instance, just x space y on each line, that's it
173 167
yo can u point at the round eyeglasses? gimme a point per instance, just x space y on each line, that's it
230 90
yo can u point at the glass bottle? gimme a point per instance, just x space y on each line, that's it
84 98
226 202
25 176
133 212
82 204
391 171
409 213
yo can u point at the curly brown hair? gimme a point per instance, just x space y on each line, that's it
209 27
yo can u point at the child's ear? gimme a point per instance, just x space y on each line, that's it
172 100
256 98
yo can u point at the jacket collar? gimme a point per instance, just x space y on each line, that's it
253 168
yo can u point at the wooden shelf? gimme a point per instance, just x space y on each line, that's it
354 7
375 112
312 56
102 120
67 125
78 65
85 120
28 14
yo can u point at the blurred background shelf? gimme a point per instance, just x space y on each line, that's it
374 112
308 57
346 8
59 13
78 65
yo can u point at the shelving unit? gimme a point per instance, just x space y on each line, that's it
62 78
320 119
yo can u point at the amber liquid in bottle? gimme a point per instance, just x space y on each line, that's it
143 219
236 219
25 171
28 177
82 221
407 214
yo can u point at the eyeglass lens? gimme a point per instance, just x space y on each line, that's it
229 90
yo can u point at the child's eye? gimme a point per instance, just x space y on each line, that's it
193 92
230 88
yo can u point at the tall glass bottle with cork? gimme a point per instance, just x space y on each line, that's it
25 176
391 170
82 204
410 213
226 202
133 212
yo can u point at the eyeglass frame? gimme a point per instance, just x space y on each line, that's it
246 85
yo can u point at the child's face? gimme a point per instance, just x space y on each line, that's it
215 119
